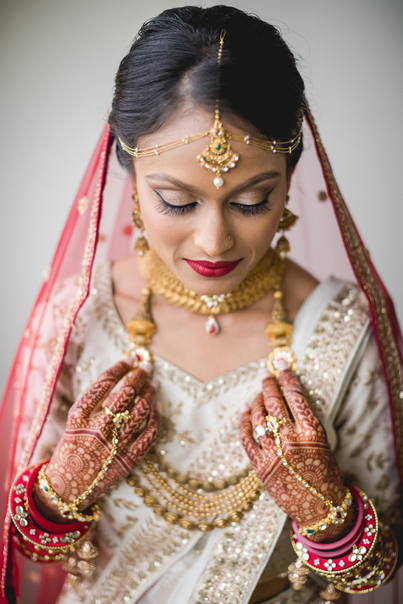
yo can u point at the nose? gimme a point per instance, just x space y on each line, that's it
213 235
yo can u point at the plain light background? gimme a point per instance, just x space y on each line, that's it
57 64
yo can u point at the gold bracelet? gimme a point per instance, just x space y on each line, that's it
65 509
70 510
337 515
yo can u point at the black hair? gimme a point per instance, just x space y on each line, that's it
175 54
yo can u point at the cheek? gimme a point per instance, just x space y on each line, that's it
163 231
258 232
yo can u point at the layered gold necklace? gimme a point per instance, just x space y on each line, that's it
193 504
175 496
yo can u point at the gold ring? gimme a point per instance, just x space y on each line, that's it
118 418
274 423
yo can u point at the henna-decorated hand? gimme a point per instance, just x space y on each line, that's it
80 455
305 447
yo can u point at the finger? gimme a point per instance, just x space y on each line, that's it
139 413
100 389
258 418
246 437
296 400
273 399
124 398
145 441
258 413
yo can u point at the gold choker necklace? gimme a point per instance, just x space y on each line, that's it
266 276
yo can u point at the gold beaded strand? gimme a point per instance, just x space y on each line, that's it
191 508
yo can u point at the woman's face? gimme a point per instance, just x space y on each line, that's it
189 221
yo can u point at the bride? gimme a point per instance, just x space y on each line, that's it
182 410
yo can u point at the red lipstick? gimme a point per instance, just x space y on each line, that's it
212 269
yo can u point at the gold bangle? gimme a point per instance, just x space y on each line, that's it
337 515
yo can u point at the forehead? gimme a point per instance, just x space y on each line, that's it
181 162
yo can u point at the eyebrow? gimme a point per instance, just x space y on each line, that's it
254 180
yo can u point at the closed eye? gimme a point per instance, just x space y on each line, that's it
246 209
258 208
169 208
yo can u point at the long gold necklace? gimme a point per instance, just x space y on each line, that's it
186 505
193 504
262 279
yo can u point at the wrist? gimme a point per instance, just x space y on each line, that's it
332 526
359 562
67 510
48 509
335 532
35 535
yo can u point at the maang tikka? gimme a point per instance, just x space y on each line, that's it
141 246
217 157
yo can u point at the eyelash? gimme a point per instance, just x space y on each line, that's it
247 210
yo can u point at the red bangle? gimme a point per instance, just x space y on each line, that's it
35 538
54 527
368 563
325 561
343 545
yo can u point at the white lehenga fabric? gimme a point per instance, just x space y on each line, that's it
145 560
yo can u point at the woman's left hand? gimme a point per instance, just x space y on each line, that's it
306 448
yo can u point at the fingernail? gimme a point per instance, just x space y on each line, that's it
263 373
244 407
154 383
129 361
147 367
159 407
282 365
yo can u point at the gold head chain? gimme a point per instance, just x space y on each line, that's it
217 157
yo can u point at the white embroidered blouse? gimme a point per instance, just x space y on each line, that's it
147 561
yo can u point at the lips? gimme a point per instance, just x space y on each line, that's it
212 269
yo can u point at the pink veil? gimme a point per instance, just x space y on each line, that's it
325 241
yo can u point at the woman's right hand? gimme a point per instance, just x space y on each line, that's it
87 443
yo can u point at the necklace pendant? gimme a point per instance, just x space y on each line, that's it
212 327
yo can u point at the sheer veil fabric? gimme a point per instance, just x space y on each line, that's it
325 241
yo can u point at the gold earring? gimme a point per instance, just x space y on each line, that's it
141 246
280 328
287 221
